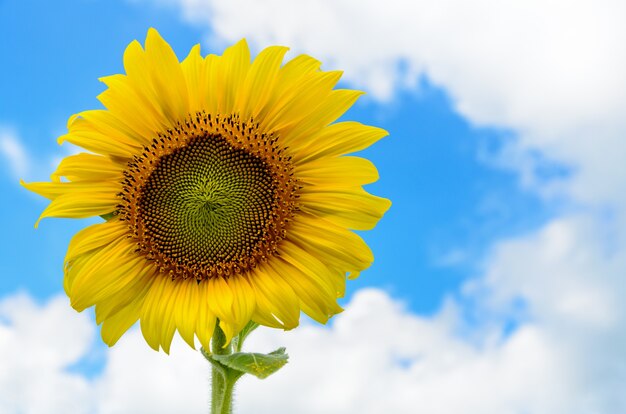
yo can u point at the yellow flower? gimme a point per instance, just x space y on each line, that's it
225 190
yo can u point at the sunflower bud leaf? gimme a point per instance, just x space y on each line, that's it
259 365
247 330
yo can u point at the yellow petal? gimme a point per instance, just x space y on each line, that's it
195 77
260 81
86 241
87 135
81 204
136 289
295 71
243 302
138 79
337 171
209 73
54 190
111 270
316 300
168 315
205 323
350 207
330 109
137 67
231 70
186 310
94 237
220 299
87 167
110 126
115 326
125 100
332 244
331 280
298 102
338 139
152 312
276 303
167 77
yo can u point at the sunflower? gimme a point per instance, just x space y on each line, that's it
225 190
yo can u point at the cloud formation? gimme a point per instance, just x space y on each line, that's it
376 357
552 72
38 343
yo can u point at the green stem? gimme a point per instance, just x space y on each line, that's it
222 398
223 378
222 382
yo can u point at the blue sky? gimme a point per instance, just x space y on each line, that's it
499 197
445 200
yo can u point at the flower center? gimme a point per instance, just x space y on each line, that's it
209 198
206 202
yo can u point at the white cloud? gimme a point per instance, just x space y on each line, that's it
37 345
14 154
138 380
376 357
570 276
551 71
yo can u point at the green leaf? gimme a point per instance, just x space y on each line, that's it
259 365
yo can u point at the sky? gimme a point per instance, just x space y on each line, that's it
499 270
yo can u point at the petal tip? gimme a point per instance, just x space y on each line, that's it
153 34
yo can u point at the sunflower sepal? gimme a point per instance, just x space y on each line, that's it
109 216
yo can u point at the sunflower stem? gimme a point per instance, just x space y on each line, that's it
222 380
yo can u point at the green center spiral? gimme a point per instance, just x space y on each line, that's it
207 202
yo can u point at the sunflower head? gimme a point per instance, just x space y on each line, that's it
226 190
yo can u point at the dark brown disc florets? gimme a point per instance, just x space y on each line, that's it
212 197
